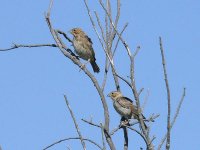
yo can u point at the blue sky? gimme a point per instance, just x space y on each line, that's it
33 113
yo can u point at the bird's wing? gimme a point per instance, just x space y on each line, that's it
124 102
89 44
128 103
128 99
89 39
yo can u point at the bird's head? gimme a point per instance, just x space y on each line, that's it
76 31
114 95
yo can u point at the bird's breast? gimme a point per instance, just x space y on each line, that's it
126 112
82 50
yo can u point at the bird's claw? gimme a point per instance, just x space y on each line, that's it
124 123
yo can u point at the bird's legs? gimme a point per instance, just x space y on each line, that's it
124 121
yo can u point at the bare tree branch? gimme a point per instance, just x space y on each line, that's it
117 18
174 119
110 19
100 26
65 35
115 130
75 123
126 81
131 128
102 133
107 64
139 134
168 95
91 123
116 45
136 95
93 79
15 46
74 138
140 91
178 108
150 119
145 100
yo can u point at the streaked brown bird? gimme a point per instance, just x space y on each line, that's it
83 47
124 106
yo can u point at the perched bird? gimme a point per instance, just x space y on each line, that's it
83 47
124 106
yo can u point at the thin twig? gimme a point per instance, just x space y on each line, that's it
100 26
136 51
50 7
109 9
105 74
123 79
115 130
73 138
28 46
116 45
140 91
120 126
106 22
139 134
178 108
117 18
174 118
114 76
145 100
153 138
168 95
75 123
150 119
91 123
65 35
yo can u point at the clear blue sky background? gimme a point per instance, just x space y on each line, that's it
33 113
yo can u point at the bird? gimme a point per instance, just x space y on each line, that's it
124 106
83 47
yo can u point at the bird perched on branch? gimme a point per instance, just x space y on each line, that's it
124 106
83 47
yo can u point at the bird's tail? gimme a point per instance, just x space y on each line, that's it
95 67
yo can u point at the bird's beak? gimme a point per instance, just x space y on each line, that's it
108 95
